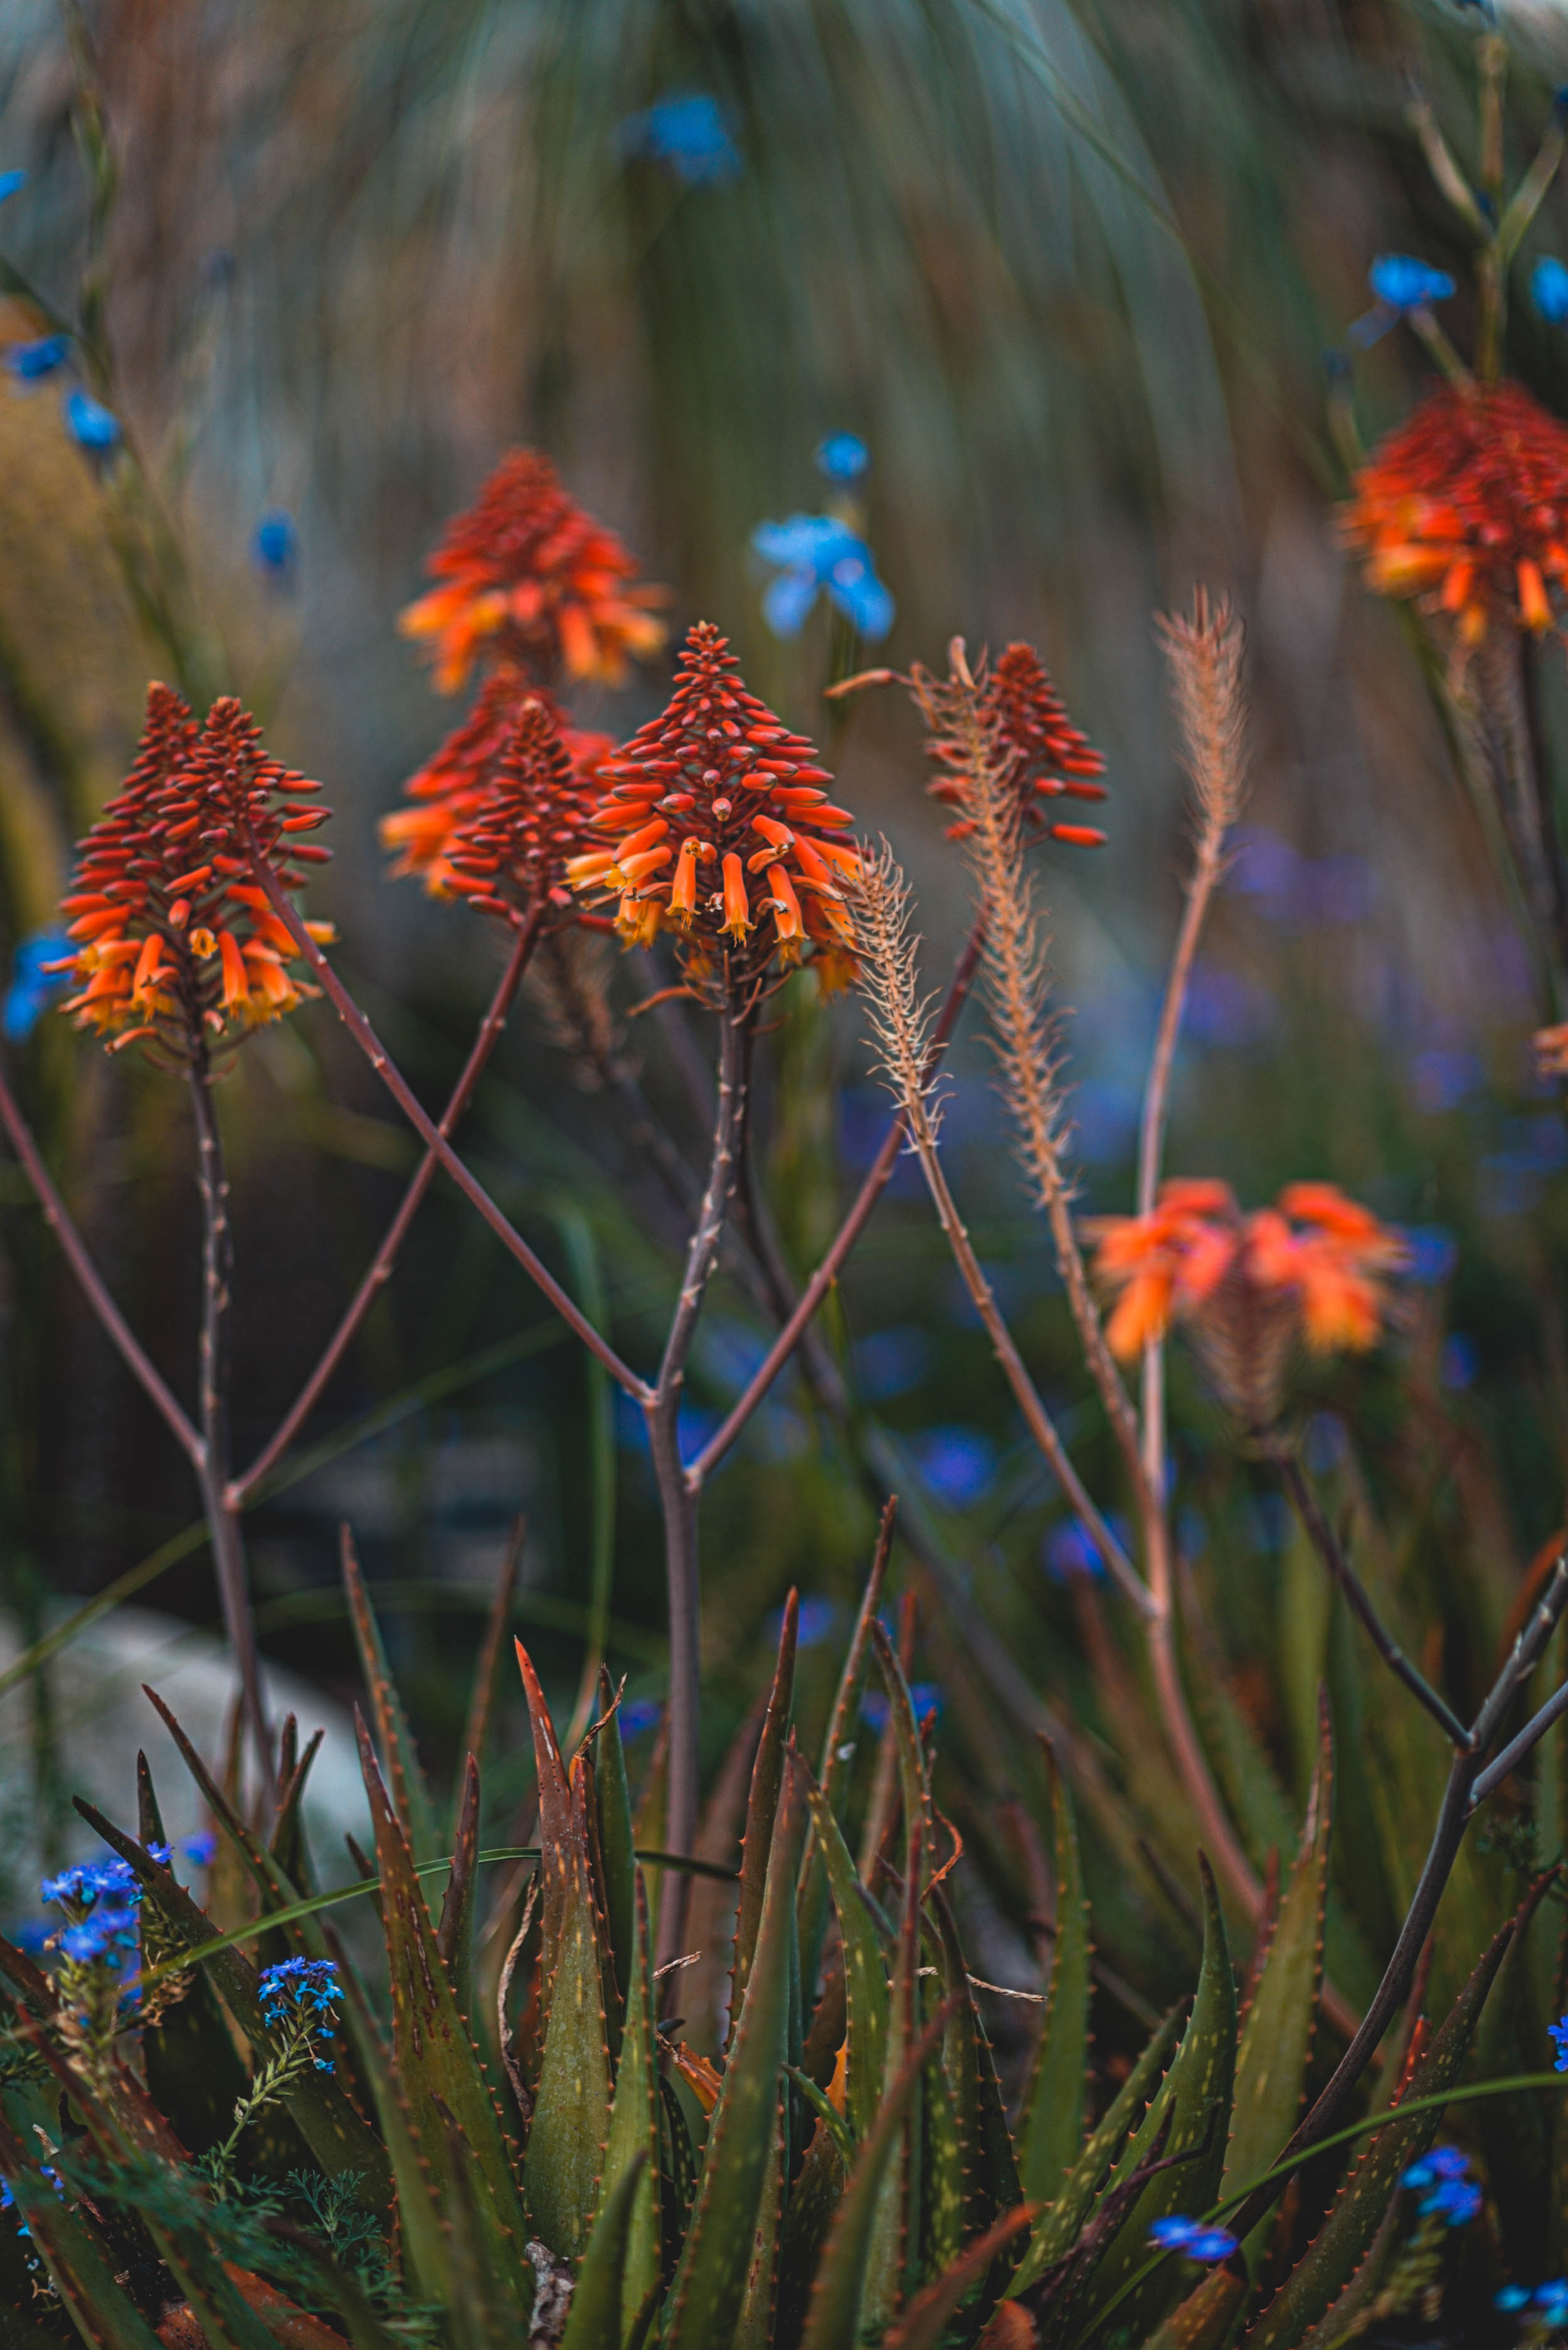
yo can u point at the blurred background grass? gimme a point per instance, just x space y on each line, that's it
1072 273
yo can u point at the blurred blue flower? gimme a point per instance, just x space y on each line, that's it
1224 1009
1327 1442
28 361
687 131
1443 2181
1460 1362
89 424
816 554
1550 2299
198 1850
1070 1551
1401 284
844 456
1268 1520
926 1697
1549 290
639 1714
1190 2236
33 988
274 543
1443 1081
1431 1252
893 1362
1558 2032
958 1464
818 1621
9 183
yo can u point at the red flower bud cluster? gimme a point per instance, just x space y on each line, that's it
454 786
531 581
176 940
1465 503
717 826
512 846
1048 757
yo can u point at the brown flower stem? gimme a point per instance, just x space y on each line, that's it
213 1381
1460 1797
877 1179
78 1257
1324 1540
380 1269
677 1498
380 1060
1539 783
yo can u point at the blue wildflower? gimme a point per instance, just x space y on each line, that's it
1559 2032
1192 2238
1549 290
101 1899
1401 284
1447 2189
304 1993
687 131
198 1850
9 183
639 1715
29 361
926 1696
842 457
89 424
958 1464
274 543
34 987
817 554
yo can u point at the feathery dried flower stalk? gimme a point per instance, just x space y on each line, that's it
900 1022
567 986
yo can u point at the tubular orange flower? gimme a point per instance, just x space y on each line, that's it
1049 758
531 580
707 796
174 942
530 819
1465 505
453 787
1313 1268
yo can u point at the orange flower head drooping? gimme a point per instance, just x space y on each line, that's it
1046 756
1466 505
513 847
718 827
1314 1269
174 940
527 579
456 782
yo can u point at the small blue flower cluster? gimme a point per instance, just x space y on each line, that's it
689 132
1193 2239
1547 2303
1443 2180
8 2200
34 986
1559 2032
91 425
816 554
106 1897
1401 286
302 1994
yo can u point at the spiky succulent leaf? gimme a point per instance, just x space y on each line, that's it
416 1815
605 2301
1052 2128
864 1970
570 2128
633 2142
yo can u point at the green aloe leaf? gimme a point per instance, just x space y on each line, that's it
761 1804
1059 2227
1197 2097
923 2326
991 2171
437 2066
838 1750
1315 2284
755 2326
941 2169
835 2320
914 1783
416 1815
421 2224
555 1816
893 2247
82 2264
1277 2034
618 1862
454 1935
710 2286
1052 2130
633 2146
277 1888
345 2146
486 1670
605 2298
864 1972
570 2128
1204 2320
286 1844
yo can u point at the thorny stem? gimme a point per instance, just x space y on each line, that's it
380 1270
677 1499
822 1280
1325 1543
1466 1777
77 1257
380 1060
213 1381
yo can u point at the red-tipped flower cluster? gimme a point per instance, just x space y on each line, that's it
1465 503
1312 1267
514 846
175 938
1048 757
454 786
717 826
531 582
